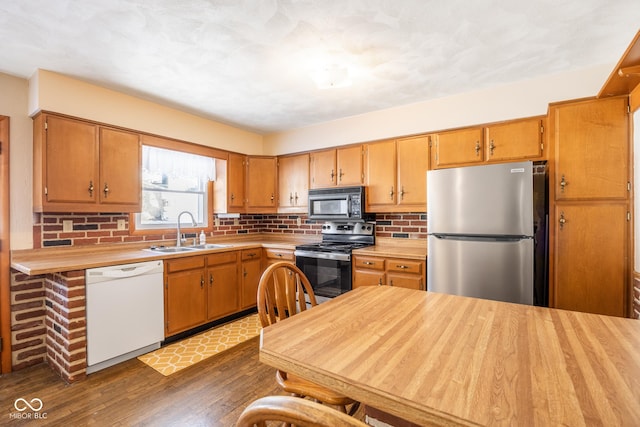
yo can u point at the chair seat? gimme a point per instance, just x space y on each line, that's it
301 387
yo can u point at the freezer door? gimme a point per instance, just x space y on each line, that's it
500 270
481 200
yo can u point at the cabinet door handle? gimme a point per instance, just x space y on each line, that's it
402 266
391 193
380 282
391 282
106 190
272 197
201 282
210 279
340 175
562 220
232 197
402 193
296 198
477 148
290 198
367 263
332 174
563 183
90 188
491 147
244 272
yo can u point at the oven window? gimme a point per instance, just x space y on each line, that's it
328 278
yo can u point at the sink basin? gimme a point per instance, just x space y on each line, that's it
210 246
175 249
171 249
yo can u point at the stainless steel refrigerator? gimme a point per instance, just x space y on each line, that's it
487 232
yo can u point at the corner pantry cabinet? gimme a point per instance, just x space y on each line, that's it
589 221
80 166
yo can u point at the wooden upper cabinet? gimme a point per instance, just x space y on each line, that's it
380 174
236 171
336 167
396 174
120 161
514 141
293 183
591 149
413 163
458 147
80 166
262 184
349 164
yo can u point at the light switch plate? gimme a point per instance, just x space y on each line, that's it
121 224
299 221
67 226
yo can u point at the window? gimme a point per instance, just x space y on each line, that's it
173 182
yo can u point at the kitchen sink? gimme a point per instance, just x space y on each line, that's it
176 249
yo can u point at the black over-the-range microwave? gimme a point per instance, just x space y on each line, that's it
338 204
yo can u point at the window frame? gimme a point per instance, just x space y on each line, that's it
186 147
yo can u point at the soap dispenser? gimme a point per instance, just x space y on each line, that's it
203 237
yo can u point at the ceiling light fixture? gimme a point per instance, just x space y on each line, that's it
331 77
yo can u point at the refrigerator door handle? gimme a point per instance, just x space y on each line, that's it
481 238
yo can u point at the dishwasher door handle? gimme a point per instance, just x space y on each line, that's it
127 271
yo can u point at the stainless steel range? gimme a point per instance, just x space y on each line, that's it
327 264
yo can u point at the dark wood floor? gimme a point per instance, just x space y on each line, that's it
210 393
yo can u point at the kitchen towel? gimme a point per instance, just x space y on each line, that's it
182 354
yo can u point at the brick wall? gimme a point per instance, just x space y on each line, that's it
90 229
28 329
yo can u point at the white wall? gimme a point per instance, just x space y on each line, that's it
517 100
55 92
13 103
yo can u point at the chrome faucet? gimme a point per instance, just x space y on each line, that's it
179 237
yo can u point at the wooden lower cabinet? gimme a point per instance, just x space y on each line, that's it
223 293
185 301
380 271
251 270
590 257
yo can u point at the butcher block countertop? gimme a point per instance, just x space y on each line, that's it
437 359
396 248
58 259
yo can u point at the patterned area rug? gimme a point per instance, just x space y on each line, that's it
182 354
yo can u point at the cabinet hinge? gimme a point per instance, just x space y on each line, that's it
628 186
0 147
46 191
0 343
542 146
541 128
46 125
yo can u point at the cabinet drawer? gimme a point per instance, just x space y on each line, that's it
368 263
280 254
249 254
222 258
404 266
181 264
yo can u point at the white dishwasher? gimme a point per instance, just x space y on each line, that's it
125 312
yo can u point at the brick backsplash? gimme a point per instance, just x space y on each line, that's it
91 229
48 312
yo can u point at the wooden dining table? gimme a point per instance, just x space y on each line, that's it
437 359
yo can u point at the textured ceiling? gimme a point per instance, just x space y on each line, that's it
248 62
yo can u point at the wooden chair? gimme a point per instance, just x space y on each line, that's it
296 411
281 294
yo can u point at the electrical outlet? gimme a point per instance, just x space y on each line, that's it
67 226
216 222
236 221
299 221
121 224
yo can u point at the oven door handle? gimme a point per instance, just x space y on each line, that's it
323 255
